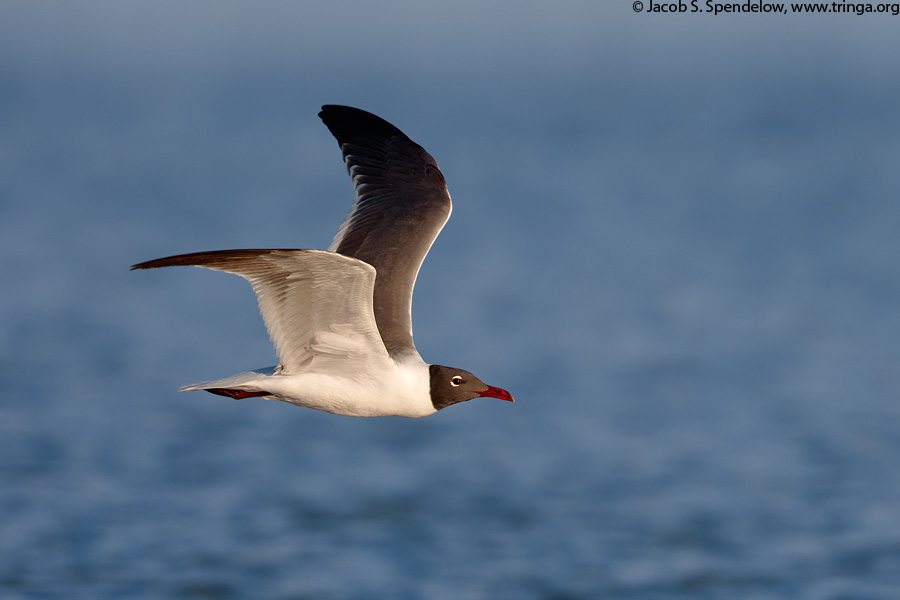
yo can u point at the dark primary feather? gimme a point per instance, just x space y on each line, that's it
212 258
401 205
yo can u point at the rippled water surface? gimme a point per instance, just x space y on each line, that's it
674 241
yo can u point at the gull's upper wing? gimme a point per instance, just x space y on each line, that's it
317 305
401 205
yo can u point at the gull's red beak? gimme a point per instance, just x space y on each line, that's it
494 392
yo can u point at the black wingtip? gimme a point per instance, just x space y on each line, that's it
149 264
146 265
210 259
178 260
192 259
347 123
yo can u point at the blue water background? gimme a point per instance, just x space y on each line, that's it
674 240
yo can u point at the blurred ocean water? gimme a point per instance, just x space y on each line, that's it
673 240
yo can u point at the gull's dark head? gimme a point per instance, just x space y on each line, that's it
450 386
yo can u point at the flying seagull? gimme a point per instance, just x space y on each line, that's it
340 319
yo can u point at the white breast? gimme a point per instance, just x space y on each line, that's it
401 391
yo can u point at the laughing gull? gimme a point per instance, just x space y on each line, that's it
340 319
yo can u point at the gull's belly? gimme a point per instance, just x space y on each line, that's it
403 391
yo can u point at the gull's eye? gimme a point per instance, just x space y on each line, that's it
456 381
